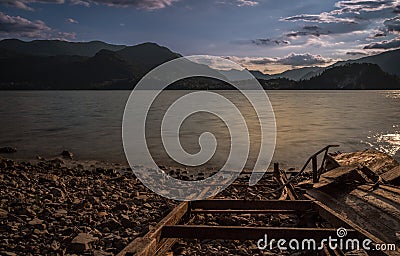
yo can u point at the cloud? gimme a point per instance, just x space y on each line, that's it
364 6
304 59
24 4
80 2
351 24
356 53
72 21
241 3
139 4
324 17
293 59
386 44
17 26
269 42
303 33
393 25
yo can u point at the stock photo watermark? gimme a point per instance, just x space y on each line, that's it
145 93
311 244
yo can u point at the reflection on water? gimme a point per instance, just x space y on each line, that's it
392 94
388 143
89 122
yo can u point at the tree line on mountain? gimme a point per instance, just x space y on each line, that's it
49 65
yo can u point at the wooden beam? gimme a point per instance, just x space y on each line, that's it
249 233
243 211
226 204
150 244
341 221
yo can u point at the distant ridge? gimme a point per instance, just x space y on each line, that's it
388 61
57 47
149 55
299 73
52 65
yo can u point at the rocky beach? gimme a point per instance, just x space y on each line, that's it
61 206
64 207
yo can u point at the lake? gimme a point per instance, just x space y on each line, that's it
88 123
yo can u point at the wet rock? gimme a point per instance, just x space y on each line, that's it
126 222
121 207
102 214
7 150
120 243
67 154
82 242
40 158
110 224
37 223
55 245
102 253
10 254
49 178
3 214
60 213
57 192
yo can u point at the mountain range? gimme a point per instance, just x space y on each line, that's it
53 64
388 61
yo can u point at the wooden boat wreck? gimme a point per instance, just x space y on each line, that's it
357 191
364 188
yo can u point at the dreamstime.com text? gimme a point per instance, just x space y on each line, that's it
339 242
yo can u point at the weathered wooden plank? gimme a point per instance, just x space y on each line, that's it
149 244
243 211
381 192
249 233
226 204
338 220
392 176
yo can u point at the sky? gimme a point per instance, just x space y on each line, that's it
267 35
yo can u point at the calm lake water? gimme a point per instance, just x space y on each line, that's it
88 123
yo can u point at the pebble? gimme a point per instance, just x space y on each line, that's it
7 150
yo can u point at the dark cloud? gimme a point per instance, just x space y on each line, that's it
24 4
269 42
351 6
16 26
380 34
139 4
303 33
312 27
392 25
387 44
356 53
320 18
351 19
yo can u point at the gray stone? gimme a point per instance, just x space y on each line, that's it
82 242
7 150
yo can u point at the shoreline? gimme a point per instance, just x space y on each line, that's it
58 207
65 207
62 206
